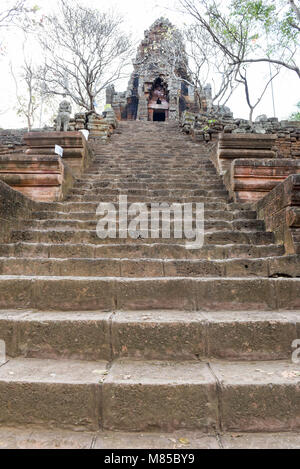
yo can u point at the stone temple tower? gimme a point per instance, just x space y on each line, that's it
159 88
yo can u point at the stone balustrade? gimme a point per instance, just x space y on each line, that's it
237 146
14 208
249 180
77 153
288 144
43 178
39 173
280 210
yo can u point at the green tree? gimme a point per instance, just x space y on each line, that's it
239 37
295 116
252 31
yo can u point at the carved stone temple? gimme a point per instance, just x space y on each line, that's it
159 88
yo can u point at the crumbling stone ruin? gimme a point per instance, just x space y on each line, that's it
11 140
208 126
158 89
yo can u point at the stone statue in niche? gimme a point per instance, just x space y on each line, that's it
64 116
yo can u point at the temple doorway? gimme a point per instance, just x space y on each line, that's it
159 115
158 104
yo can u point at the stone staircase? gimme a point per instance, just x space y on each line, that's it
143 334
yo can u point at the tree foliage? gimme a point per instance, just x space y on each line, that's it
250 31
295 116
17 14
10 12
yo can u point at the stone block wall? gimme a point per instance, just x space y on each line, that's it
29 165
12 137
237 146
43 178
270 150
249 180
207 127
11 140
288 146
38 172
14 208
280 210
77 153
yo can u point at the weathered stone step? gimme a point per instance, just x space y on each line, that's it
114 174
91 237
92 206
205 197
173 293
60 393
91 224
141 175
157 170
160 395
140 250
32 437
220 395
127 151
210 224
174 171
148 154
142 147
154 335
99 193
149 160
143 156
135 142
144 189
112 267
147 195
208 214
154 183
239 206
125 161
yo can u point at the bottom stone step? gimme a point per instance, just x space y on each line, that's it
238 396
151 395
41 438
54 393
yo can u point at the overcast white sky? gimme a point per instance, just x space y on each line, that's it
139 15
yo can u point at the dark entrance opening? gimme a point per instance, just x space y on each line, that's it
159 115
